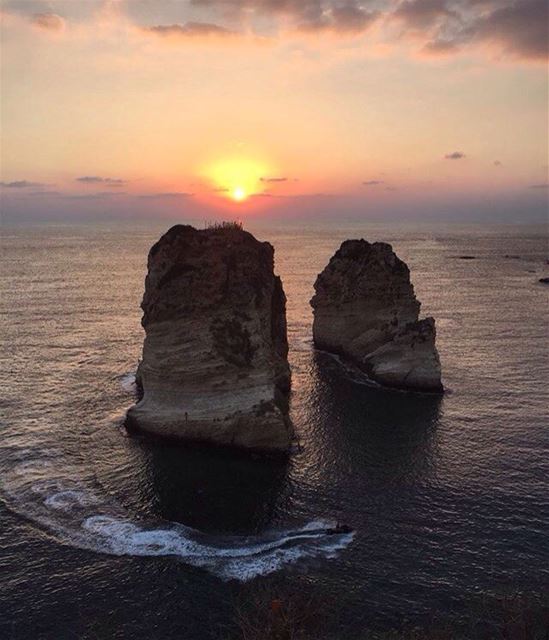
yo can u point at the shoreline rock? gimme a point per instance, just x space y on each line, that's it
365 309
214 366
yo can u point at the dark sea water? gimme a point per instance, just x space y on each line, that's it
107 536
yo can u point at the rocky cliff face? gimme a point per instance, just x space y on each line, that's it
214 364
365 309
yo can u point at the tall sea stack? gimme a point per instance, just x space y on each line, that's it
365 310
214 365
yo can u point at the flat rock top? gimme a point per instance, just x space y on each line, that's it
357 269
181 234
192 270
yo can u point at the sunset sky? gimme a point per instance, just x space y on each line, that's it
382 109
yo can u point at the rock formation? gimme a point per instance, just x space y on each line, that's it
214 365
365 309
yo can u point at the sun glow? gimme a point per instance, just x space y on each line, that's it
239 194
237 178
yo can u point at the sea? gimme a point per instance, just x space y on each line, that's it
107 535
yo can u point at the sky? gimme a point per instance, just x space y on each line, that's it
223 109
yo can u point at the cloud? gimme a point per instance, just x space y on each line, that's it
95 196
520 28
423 14
507 28
48 21
90 179
189 30
440 48
341 16
108 182
497 163
543 185
265 195
346 19
372 183
516 28
275 179
22 184
174 194
295 196
456 155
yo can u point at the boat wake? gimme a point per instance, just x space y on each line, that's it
43 487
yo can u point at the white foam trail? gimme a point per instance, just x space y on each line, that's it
55 495
243 559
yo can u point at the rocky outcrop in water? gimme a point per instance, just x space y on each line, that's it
214 365
365 310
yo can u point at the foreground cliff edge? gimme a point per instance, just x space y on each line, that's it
365 310
214 365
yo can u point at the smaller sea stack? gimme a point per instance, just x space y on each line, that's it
365 310
214 365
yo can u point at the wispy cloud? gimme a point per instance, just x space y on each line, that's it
108 182
372 183
169 194
274 179
543 185
265 194
95 196
455 155
22 184
295 196
189 30
439 48
350 18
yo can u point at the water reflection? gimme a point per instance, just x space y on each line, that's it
385 437
215 491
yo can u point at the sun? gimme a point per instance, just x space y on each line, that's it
238 178
239 194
